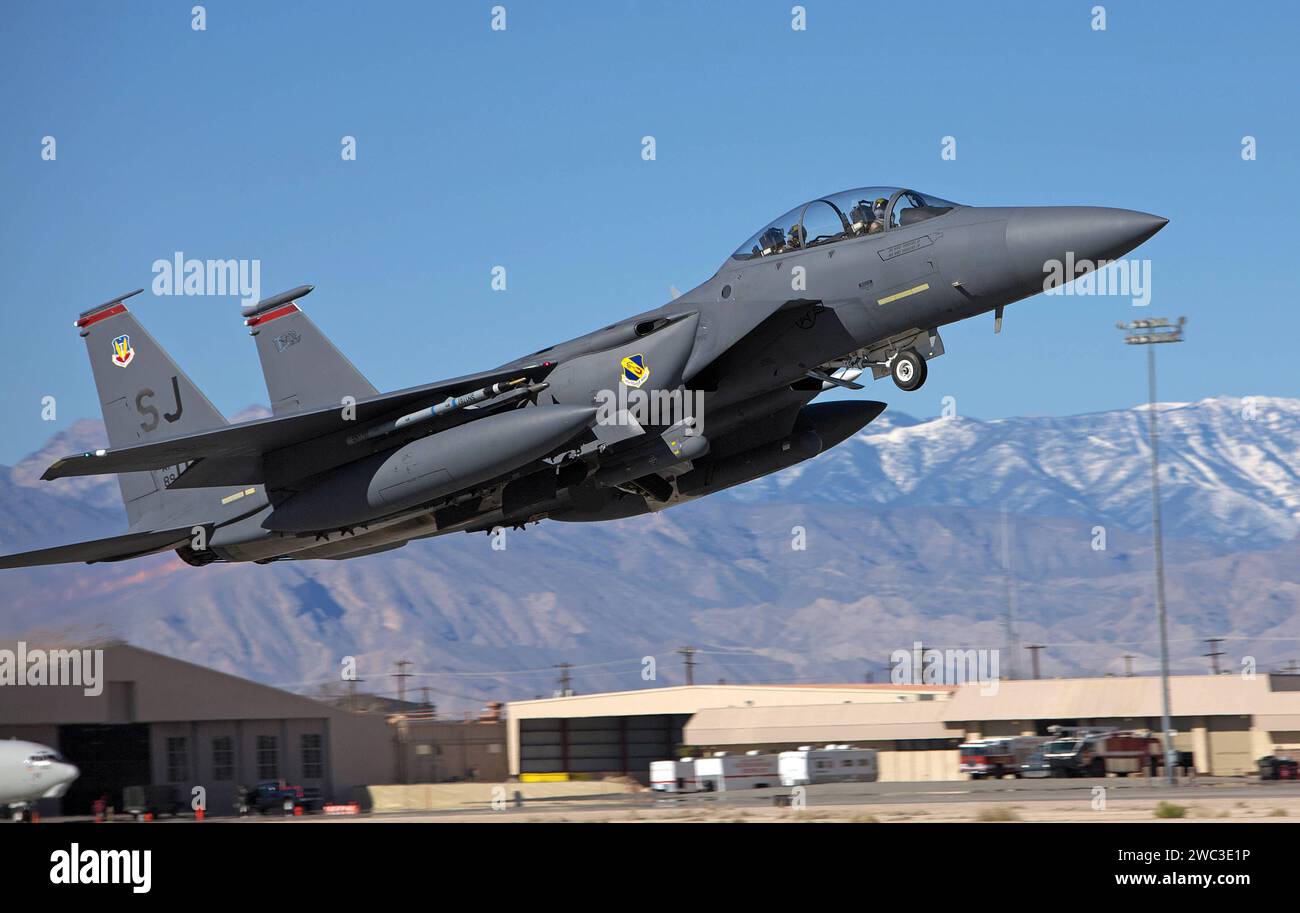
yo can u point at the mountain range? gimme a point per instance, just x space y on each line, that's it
953 531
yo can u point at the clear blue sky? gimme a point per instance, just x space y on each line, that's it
522 148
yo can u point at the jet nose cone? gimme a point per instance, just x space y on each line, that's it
1039 239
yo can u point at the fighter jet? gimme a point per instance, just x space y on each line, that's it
713 389
30 772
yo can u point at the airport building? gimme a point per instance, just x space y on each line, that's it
161 721
620 733
1227 722
164 722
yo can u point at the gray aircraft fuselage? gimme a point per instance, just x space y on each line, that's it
747 338
854 282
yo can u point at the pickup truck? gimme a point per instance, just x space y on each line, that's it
271 795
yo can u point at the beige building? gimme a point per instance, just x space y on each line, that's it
620 733
163 721
1226 721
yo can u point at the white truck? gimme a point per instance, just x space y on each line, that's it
743 771
673 776
832 764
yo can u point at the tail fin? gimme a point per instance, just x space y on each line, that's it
302 368
144 397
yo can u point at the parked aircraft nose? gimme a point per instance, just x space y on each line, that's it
1039 237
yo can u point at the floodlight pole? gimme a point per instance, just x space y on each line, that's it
1149 333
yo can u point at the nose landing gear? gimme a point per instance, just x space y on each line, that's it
908 370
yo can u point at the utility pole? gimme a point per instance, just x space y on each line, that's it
1033 652
688 655
402 675
1128 664
565 679
1215 652
424 690
1013 640
1150 333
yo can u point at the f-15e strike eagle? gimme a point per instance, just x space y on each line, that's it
712 389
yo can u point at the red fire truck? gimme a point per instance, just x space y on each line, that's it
998 756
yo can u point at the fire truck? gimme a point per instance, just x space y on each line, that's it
1076 751
998 756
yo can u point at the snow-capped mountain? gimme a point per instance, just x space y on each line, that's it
1229 468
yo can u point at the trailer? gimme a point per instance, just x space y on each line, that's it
832 764
748 771
995 757
673 776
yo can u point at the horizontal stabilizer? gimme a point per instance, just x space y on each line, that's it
116 548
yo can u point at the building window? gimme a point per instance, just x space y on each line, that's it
223 758
268 760
178 760
312 757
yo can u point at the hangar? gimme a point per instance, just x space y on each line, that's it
621 732
1228 722
160 720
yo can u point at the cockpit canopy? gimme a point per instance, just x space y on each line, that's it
847 214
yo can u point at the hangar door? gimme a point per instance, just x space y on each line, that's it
601 744
110 758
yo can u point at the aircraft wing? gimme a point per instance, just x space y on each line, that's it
116 548
233 455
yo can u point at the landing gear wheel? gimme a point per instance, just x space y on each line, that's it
908 370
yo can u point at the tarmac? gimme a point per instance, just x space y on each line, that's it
987 801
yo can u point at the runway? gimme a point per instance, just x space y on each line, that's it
1111 799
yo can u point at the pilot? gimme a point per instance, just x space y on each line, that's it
879 208
794 238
